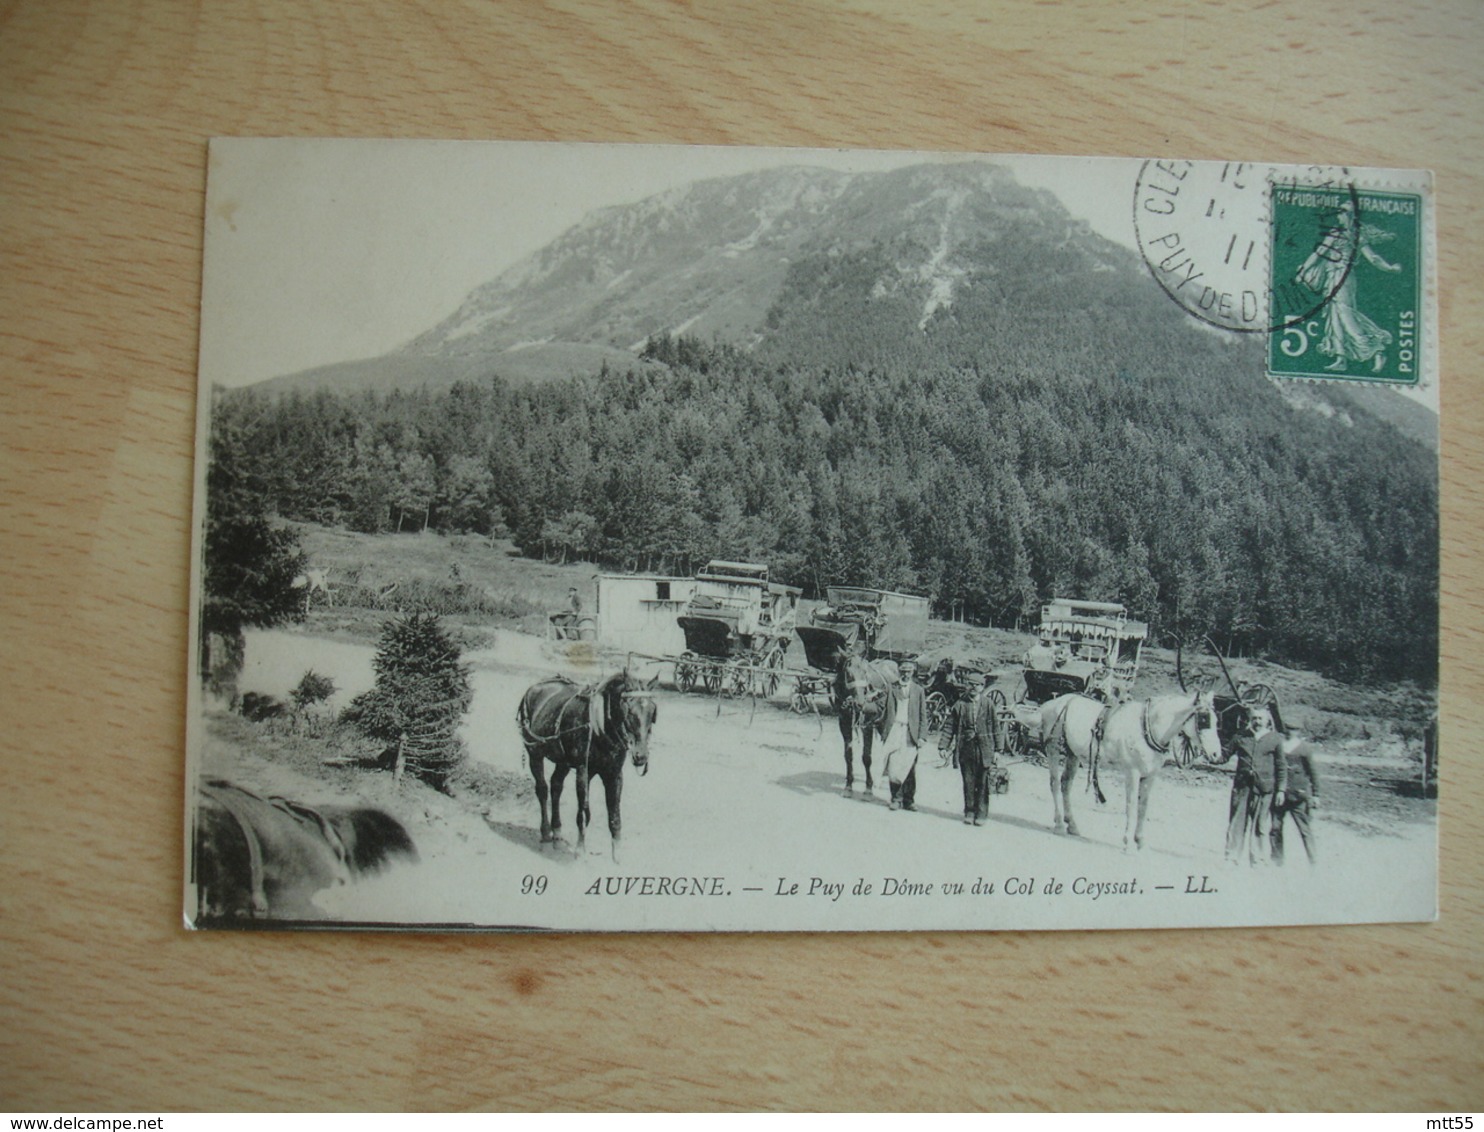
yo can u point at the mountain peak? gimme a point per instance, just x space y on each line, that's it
732 258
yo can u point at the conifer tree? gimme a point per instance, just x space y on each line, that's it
421 693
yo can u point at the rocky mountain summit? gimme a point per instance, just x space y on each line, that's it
730 258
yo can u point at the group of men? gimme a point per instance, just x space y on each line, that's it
969 738
1275 780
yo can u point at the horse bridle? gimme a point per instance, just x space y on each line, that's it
628 695
860 693
1177 731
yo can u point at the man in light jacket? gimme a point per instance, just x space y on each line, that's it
907 736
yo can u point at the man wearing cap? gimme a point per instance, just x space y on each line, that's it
907 736
970 733
1300 799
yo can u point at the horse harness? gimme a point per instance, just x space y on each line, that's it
1176 729
589 724
865 692
229 798
1154 744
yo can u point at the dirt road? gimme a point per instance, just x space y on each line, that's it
743 802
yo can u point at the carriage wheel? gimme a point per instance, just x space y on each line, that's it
799 701
1258 695
738 677
773 677
685 676
711 674
1018 744
1000 706
937 711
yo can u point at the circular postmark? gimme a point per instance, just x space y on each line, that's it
1206 230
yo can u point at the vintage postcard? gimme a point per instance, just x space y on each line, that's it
618 538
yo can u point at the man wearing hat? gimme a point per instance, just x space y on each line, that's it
1300 799
907 736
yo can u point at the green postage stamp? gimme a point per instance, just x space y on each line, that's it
1346 286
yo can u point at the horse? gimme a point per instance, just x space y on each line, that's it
864 702
266 858
1075 717
1136 737
588 730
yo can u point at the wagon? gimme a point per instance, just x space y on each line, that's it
1233 711
1083 647
952 681
823 646
1087 648
737 626
875 624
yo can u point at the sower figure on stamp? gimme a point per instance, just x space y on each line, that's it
1349 335
906 738
1300 799
970 733
1258 788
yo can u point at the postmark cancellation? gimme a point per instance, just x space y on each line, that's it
1331 265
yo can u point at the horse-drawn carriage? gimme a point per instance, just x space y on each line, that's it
1088 648
872 624
951 681
737 626
1233 711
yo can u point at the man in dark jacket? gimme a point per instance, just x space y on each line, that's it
969 732
1258 788
1301 797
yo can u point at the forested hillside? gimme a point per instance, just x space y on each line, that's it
1178 481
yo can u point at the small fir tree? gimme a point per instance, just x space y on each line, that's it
421 693
312 689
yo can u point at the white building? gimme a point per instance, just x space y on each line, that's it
637 612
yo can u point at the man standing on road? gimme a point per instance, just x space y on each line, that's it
1258 788
970 733
1300 799
906 739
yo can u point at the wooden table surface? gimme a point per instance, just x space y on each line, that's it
106 1003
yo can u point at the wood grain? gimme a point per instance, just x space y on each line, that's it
106 1003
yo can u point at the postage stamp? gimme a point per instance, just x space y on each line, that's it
635 538
1346 274
1329 264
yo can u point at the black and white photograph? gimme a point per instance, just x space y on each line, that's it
627 538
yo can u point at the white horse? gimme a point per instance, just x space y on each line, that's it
1076 717
1137 738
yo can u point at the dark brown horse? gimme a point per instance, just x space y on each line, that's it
588 730
266 858
864 702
